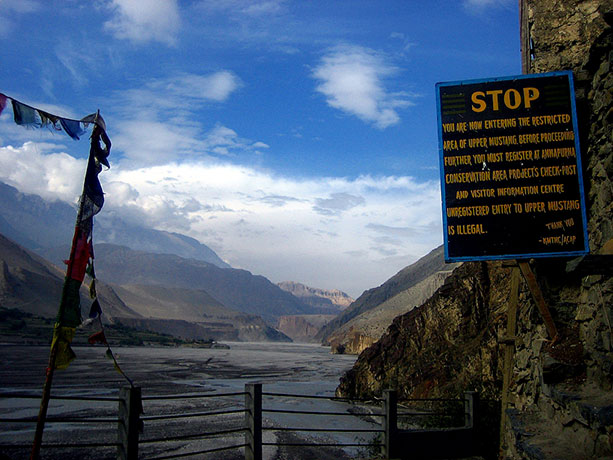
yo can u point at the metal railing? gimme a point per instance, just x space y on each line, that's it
206 423
20 448
194 413
320 429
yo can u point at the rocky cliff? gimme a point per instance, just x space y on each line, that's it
368 317
448 344
365 329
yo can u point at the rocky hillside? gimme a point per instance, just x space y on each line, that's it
365 329
368 317
445 346
235 289
33 285
331 299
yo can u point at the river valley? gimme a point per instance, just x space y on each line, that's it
299 369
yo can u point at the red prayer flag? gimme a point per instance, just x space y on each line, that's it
98 337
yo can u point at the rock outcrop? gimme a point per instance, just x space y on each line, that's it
445 346
365 329
368 317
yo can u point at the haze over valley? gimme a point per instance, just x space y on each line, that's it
170 283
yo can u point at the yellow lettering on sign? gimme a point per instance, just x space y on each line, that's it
511 98
481 105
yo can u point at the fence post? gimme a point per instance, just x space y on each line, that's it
390 401
253 414
471 408
129 425
472 421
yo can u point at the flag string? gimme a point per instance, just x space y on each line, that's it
29 116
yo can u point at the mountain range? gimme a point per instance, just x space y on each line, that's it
168 282
156 280
331 299
38 224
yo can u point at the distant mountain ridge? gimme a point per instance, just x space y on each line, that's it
323 298
31 284
236 289
172 278
38 224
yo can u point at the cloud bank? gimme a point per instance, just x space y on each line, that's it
307 230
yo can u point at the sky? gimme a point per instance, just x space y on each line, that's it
297 139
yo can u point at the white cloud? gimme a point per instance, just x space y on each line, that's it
253 8
337 203
78 64
268 224
31 169
145 20
352 79
180 93
216 87
152 129
481 5
7 7
150 142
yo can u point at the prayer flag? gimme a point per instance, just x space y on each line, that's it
72 127
25 115
98 337
2 102
90 203
62 338
95 310
49 120
81 256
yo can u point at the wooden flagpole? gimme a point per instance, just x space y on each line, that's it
44 403
46 395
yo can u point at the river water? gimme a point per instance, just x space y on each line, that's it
299 369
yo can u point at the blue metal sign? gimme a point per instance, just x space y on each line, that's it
510 165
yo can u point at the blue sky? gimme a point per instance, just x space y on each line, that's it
297 139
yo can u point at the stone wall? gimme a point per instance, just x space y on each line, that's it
561 390
576 35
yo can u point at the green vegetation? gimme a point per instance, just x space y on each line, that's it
21 327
